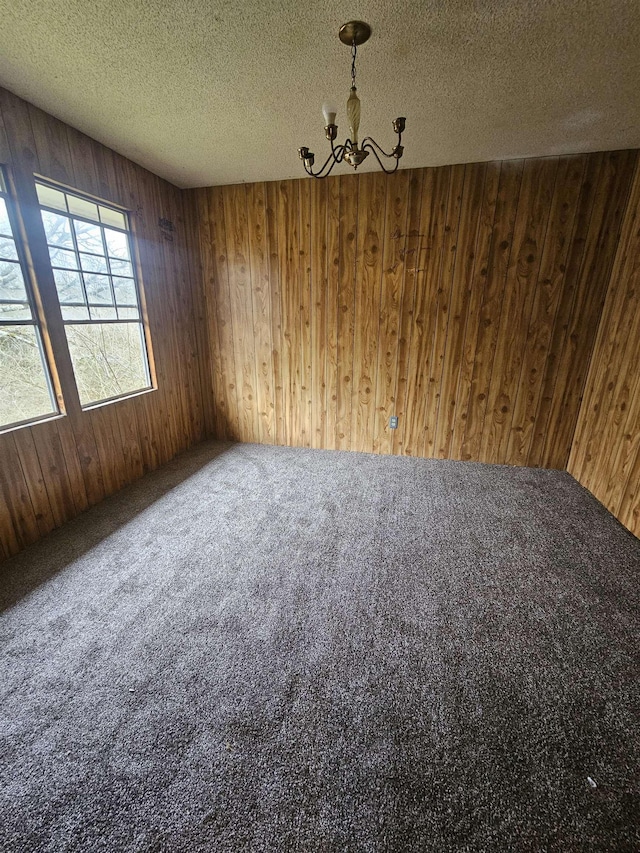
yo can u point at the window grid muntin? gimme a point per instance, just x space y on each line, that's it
78 262
78 195
133 279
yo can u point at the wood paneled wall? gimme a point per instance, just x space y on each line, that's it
605 456
463 299
52 471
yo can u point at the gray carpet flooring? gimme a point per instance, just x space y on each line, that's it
269 649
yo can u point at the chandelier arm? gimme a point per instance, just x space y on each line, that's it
339 151
368 145
319 173
371 142
336 156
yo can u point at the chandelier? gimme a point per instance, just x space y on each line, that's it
353 34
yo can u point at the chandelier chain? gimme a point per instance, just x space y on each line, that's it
354 50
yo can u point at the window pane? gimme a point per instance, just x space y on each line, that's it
128 313
12 282
24 391
8 249
117 244
69 286
125 290
82 207
107 313
63 258
112 217
108 360
58 229
121 267
98 289
5 225
48 197
89 237
15 311
93 263
75 312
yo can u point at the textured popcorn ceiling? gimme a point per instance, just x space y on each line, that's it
221 92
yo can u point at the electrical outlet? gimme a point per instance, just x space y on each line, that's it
393 422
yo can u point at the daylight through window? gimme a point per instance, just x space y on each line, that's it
25 385
90 253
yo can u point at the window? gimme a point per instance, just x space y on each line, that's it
90 254
26 392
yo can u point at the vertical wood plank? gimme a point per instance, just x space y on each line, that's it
276 317
545 304
224 323
261 305
410 252
346 294
478 275
427 261
371 225
605 453
127 422
548 398
305 314
241 305
52 146
462 255
202 355
443 301
34 479
19 522
333 283
612 193
476 444
530 226
319 296
288 237
397 205
210 284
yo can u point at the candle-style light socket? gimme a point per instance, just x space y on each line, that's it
331 131
398 124
307 156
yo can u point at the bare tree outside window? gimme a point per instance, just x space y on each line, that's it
90 254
